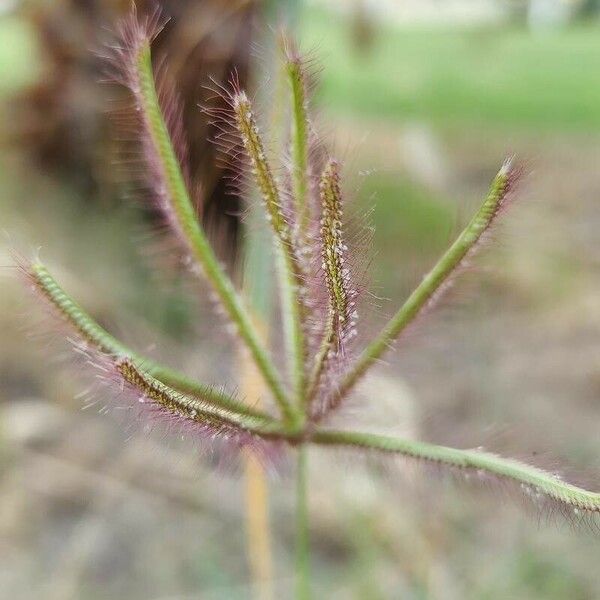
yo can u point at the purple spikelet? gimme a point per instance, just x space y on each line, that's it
337 277
143 399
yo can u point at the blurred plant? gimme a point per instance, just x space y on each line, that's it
588 9
320 288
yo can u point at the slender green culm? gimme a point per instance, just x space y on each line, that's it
300 166
532 480
435 279
186 218
97 337
288 263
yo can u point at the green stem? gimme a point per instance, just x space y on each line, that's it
533 481
302 524
321 358
292 316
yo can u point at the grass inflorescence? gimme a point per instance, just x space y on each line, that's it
317 280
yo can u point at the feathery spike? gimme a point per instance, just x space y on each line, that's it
341 317
195 409
263 175
332 245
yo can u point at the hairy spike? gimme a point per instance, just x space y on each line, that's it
435 282
332 244
195 409
134 56
131 67
95 336
192 415
263 175
341 313
531 480
291 275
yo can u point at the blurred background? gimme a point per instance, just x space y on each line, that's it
422 100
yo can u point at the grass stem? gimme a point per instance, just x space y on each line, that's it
302 532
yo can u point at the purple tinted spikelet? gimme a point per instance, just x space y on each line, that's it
263 175
334 251
340 323
151 401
